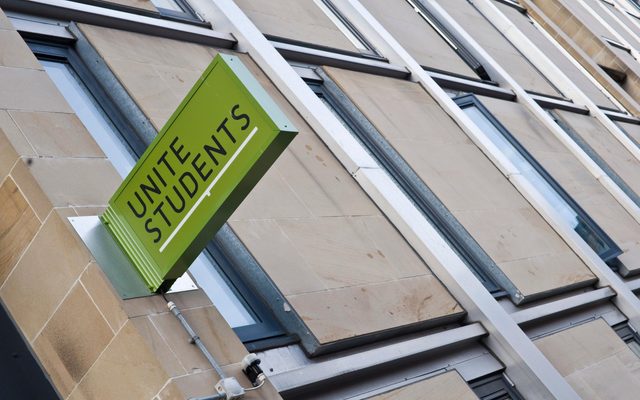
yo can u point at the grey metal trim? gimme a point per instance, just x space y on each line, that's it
552 103
307 72
137 120
607 312
84 13
472 361
466 85
617 44
110 258
633 285
617 116
40 27
378 357
294 52
557 307
514 4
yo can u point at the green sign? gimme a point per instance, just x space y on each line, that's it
216 146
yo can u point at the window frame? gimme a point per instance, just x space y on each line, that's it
267 331
628 335
188 15
496 386
482 266
609 256
449 38
371 52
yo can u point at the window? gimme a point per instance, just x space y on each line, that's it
460 240
629 336
636 3
538 177
495 387
212 270
178 10
347 29
21 376
175 8
449 38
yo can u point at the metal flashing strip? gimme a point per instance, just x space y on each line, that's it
617 44
548 102
40 27
466 85
617 116
85 13
634 285
558 307
514 4
379 357
307 72
309 55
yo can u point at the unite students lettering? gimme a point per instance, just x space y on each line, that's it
158 201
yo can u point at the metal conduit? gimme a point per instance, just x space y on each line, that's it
195 339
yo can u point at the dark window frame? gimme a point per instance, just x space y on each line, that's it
371 52
449 38
495 387
609 256
188 15
267 331
472 254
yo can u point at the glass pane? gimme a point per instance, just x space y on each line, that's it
221 295
123 159
91 116
532 175
167 4
343 28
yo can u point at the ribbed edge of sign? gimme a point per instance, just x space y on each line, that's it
140 259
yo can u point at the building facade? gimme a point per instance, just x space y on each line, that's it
457 218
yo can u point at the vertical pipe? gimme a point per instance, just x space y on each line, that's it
195 339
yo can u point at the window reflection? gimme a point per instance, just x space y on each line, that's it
568 213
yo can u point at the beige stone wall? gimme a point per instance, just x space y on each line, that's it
90 343
595 361
507 227
447 386
588 49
